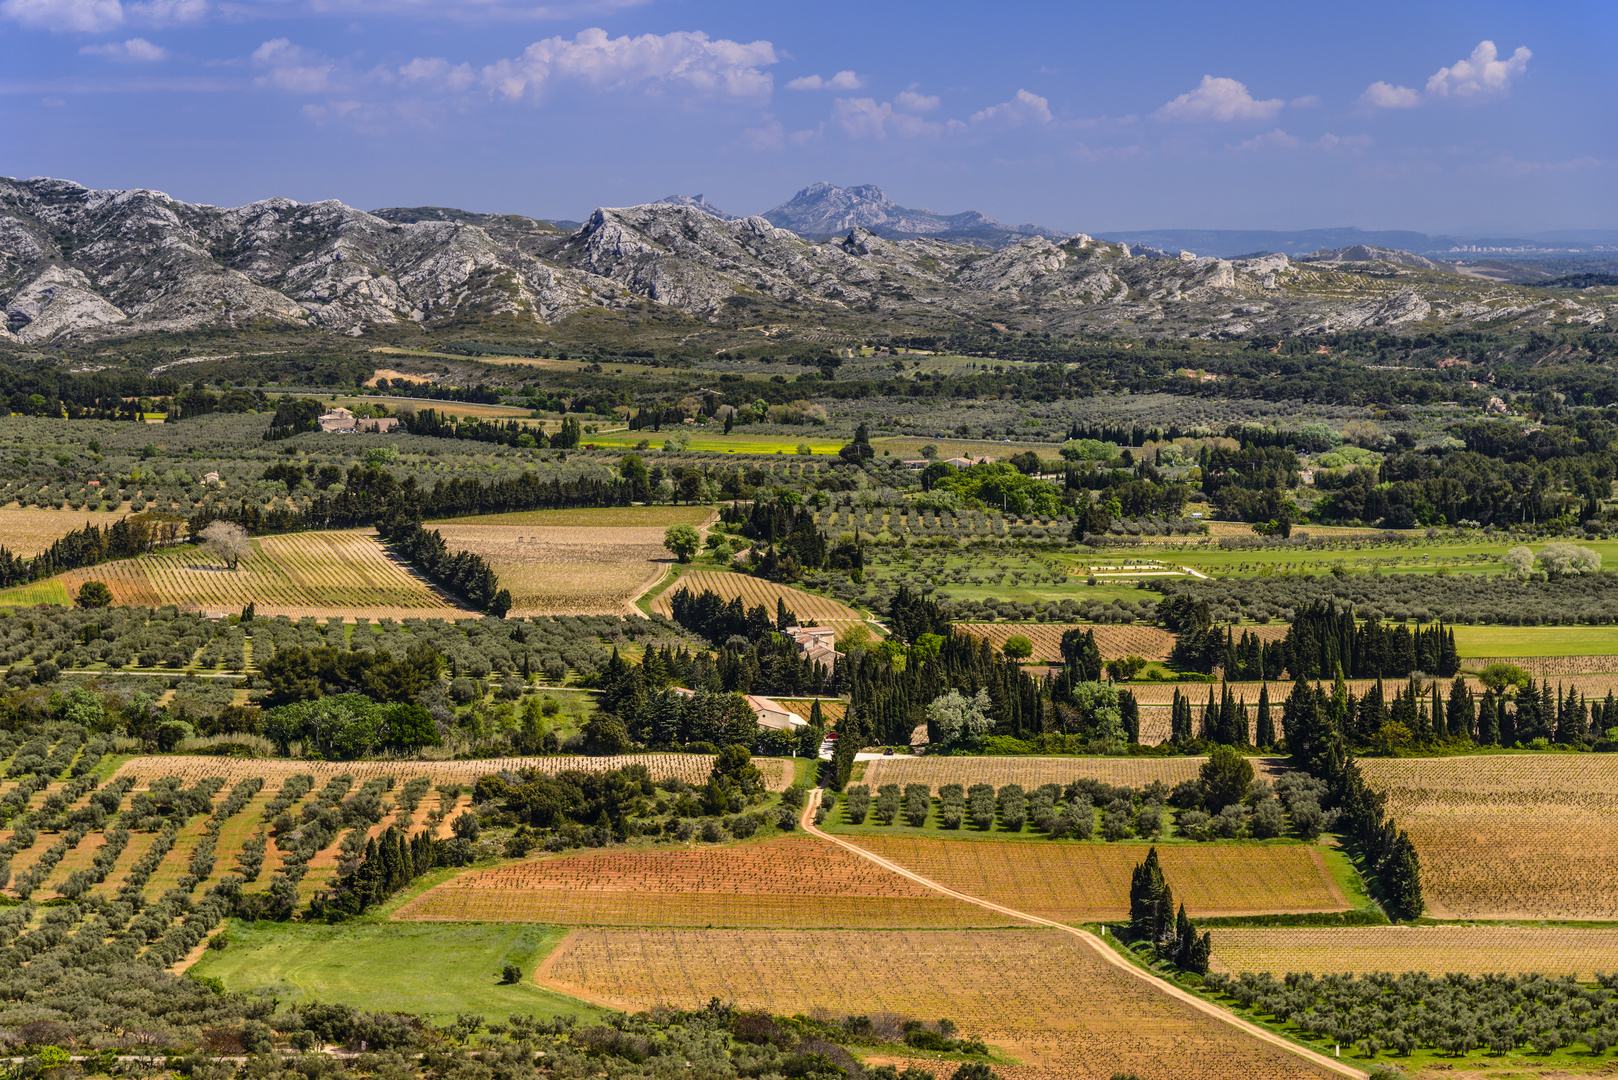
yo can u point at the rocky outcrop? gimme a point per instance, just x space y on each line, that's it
1366 253
698 202
77 263
823 209
58 301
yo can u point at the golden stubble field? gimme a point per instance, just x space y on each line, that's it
1436 950
28 530
566 569
1043 996
1509 836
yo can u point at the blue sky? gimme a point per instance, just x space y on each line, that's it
1469 117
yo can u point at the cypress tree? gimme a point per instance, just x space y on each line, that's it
1401 879
1265 735
1488 720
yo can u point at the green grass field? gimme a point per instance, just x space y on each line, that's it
49 591
435 970
1536 641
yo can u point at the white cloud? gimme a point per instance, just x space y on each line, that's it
865 118
170 11
98 16
1308 101
438 72
687 60
93 16
133 49
765 139
1218 100
293 68
910 101
1382 95
1483 74
1026 108
843 80
1278 139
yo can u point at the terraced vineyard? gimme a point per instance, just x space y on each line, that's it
1435 950
1041 995
808 607
344 574
1509 836
796 881
1076 883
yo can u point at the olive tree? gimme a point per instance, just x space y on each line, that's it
228 540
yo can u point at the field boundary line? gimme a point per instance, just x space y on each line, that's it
1184 996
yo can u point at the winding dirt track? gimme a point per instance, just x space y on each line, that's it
1089 939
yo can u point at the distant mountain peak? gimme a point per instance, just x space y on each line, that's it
825 209
699 202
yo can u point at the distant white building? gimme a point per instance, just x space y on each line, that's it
773 715
339 420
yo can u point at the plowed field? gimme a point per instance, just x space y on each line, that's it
808 607
1043 996
1509 836
1075 883
1436 950
563 569
335 575
692 768
796 881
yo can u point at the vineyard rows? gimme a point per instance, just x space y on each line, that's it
1509 836
328 574
753 591
1147 642
1435 950
1076 883
1043 996
794 881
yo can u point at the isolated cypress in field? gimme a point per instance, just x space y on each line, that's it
1264 735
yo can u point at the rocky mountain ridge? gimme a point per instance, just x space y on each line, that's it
77 263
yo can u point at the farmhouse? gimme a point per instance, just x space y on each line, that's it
772 715
339 419
816 643
377 423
